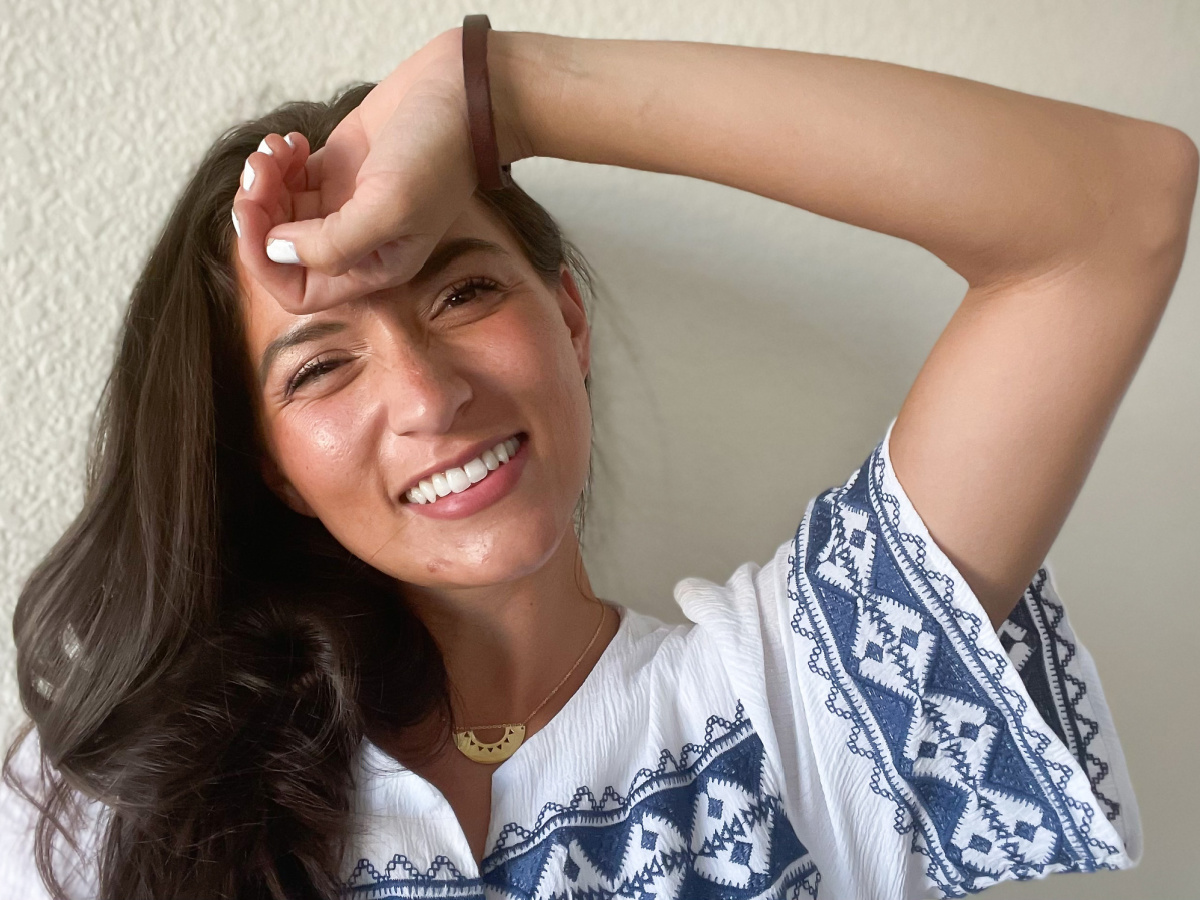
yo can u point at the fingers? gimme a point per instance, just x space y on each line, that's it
346 212
324 291
308 202
341 240
290 153
262 202
293 156
318 230
281 183
278 187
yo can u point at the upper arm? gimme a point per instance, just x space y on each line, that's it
1000 428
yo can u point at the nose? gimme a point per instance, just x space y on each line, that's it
423 390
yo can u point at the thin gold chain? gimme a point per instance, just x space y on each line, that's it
537 709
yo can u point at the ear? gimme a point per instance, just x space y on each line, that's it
570 302
284 490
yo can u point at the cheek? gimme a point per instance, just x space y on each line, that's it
324 447
537 356
549 370
541 371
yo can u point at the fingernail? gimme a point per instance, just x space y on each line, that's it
282 251
236 227
247 176
290 142
263 148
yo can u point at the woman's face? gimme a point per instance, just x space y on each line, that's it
360 401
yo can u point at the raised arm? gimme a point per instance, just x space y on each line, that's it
1068 223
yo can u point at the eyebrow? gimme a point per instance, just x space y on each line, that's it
444 254
438 261
297 334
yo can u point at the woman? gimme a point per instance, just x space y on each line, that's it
323 624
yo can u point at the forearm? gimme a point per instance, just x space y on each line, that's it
994 182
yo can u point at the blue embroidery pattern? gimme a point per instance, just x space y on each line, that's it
707 826
923 702
401 880
1033 638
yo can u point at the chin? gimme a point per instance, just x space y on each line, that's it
515 549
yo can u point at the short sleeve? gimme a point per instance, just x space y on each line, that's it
924 753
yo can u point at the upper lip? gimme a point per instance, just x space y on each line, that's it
459 459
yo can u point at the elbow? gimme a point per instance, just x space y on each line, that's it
1179 168
1187 168
1186 165
1158 192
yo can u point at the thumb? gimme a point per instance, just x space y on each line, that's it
342 240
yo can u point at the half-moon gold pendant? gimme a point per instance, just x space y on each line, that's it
496 751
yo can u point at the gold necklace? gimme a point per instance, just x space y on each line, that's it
514 734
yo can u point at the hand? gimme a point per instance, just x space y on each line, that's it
364 212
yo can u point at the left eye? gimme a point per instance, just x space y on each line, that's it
466 292
310 371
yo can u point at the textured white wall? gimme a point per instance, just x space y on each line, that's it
750 354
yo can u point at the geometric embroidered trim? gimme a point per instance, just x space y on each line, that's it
708 823
923 703
1035 642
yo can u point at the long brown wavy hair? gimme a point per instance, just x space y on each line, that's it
192 654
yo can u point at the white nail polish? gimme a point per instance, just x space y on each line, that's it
282 251
247 176
264 148
236 227
290 142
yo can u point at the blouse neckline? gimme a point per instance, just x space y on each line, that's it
376 760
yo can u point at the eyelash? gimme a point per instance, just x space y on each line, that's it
319 366
477 282
311 369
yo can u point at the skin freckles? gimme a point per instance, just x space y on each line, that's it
407 386
402 380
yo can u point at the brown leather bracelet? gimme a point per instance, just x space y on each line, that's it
492 175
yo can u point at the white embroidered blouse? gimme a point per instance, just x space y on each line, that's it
841 722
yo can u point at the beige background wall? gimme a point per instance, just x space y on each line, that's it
750 354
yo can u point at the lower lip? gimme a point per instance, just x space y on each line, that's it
479 495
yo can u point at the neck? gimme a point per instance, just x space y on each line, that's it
507 645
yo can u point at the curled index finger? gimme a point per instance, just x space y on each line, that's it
335 243
390 264
262 202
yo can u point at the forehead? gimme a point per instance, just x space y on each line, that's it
265 319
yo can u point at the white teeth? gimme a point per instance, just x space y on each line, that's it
459 478
476 470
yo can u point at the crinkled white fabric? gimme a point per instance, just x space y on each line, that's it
841 722
18 873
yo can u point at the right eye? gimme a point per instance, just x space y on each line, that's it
314 368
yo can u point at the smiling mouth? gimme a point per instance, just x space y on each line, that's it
458 478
